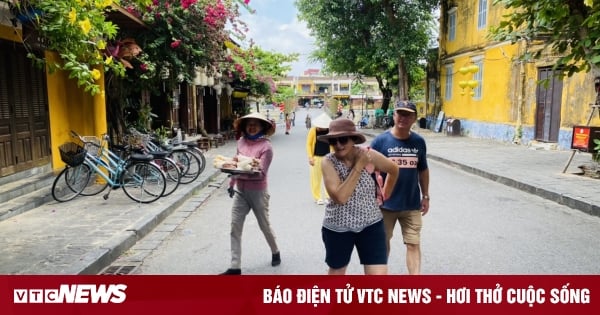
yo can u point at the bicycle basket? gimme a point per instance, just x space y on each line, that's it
71 153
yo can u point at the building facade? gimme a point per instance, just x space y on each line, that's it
486 85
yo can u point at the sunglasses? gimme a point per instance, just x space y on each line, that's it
341 140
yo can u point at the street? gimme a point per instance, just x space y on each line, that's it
475 226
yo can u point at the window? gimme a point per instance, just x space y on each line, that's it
448 87
431 97
452 24
482 16
478 76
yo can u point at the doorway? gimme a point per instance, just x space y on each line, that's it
548 101
24 126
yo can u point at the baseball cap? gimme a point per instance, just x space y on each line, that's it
406 106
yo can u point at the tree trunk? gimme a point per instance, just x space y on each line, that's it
402 80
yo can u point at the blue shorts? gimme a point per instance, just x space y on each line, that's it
370 245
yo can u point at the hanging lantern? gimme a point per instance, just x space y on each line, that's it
472 84
218 88
462 84
473 68
229 89
197 79
463 70
164 73
203 78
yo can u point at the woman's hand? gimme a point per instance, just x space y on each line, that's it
361 158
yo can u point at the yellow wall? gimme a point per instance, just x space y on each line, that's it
71 108
10 33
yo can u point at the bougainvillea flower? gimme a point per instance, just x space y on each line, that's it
175 43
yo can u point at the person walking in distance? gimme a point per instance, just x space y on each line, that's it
250 190
288 123
315 151
409 200
352 216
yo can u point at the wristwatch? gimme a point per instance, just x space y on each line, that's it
426 197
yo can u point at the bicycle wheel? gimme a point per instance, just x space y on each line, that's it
143 182
96 183
192 167
196 151
171 172
70 182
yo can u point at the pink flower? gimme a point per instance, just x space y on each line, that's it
144 67
246 1
175 43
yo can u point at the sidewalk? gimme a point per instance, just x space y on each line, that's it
86 234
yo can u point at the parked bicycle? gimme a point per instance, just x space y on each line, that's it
161 159
187 155
140 179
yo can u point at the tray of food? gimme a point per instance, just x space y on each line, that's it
237 165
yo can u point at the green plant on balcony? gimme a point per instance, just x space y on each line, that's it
77 30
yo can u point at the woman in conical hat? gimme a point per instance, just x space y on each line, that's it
250 190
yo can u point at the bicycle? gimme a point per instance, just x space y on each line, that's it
169 167
141 180
187 155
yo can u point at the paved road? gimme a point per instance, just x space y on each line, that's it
476 226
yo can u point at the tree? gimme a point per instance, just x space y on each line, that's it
568 28
384 39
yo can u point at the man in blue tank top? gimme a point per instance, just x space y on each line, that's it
410 198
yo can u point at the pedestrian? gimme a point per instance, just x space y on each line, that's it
250 191
316 150
307 121
351 114
352 216
409 200
288 124
294 119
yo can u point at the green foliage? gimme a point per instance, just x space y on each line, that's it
596 155
567 28
378 38
78 31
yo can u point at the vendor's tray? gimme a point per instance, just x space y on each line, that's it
236 171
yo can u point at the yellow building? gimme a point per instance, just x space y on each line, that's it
316 89
495 95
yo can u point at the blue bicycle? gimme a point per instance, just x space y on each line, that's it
140 179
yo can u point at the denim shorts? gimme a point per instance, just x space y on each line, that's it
370 245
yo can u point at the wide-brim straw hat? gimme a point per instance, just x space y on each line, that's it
268 128
342 127
322 121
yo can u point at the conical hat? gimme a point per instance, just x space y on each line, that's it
322 121
268 127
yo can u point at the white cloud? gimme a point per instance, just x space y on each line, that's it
275 27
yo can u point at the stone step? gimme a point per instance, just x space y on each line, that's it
25 194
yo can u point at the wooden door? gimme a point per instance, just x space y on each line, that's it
548 99
24 127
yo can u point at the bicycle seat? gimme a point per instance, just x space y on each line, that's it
190 143
159 154
141 157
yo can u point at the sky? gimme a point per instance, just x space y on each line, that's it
275 27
